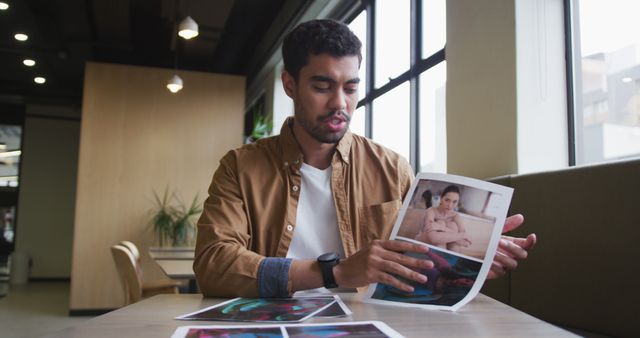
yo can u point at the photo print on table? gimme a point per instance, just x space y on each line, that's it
263 309
369 329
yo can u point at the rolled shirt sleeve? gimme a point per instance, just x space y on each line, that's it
273 277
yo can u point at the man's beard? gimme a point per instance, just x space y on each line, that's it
316 128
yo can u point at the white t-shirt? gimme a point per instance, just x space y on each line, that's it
316 230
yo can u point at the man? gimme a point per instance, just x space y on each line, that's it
280 211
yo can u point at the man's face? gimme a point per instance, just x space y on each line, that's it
325 96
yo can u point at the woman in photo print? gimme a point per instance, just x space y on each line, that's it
443 227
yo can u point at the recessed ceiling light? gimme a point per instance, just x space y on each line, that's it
3 6
29 62
21 37
627 79
39 80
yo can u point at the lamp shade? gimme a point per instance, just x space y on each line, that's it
188 28
175 84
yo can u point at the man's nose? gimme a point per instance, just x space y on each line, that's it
338 100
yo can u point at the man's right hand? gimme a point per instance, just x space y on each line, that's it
380 262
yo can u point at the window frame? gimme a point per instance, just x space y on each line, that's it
571 60
418 64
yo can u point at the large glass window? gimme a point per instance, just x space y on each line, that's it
433 122
392 38
392 119
402 78
357 124
10 150
434 26
10 154
606 79
359 28
404 107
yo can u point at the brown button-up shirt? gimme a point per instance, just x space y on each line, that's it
252 205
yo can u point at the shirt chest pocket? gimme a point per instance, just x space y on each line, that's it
376 221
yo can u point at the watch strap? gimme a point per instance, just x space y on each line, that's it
326 268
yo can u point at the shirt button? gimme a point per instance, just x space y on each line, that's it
286 163
289 227
295 188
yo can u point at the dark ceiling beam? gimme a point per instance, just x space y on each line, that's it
241 36
112 22
270 43
28 94
17 88
30 50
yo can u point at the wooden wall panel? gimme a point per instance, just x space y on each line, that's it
137 137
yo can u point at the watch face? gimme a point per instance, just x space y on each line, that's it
328 257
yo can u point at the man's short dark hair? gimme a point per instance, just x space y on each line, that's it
317 37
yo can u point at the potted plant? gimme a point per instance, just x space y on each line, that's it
172 221
261 127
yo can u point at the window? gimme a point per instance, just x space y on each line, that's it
402 97
391 116
357 124
392 34
10 150
433 126
359 28
606 72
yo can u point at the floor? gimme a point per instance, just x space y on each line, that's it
35 309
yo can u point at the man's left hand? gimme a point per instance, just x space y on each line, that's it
511 249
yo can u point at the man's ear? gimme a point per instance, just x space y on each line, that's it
289 84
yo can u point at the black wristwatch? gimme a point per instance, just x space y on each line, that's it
327 262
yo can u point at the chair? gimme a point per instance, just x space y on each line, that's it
136 254
133 249
131 277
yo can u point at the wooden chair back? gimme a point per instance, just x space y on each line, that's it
129 272
133 248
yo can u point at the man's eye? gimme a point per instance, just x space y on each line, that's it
351 90
321 88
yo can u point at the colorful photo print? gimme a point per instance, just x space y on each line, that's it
263 309
321 331
235 332
334 310
369 329
449 282
452 216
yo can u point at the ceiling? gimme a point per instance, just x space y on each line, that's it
64 34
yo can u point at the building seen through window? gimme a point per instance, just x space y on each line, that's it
606 80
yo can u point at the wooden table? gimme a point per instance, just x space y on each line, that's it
177 263
177 268
173 253
482 317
